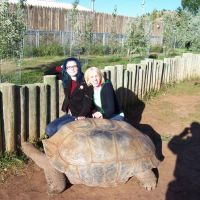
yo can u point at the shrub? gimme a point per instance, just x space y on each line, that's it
12 29
156 49
105 50
172 53
99 50
153 56
48 50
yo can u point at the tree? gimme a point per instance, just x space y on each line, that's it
191 5
137 37
75 32
176 27
12 29
194 32
87 34
113 33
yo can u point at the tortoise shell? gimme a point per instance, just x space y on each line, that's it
100 152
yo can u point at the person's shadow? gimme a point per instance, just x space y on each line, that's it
187 170
133 108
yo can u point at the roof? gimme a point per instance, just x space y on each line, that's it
51 4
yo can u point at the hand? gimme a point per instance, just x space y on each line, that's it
80 117
97 115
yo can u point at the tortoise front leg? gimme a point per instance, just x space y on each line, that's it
56 180
147 179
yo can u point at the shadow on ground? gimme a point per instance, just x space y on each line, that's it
186 146
133 115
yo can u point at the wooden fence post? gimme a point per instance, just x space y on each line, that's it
140 80
125 93
8 93
148 76
119 86
23 128
1 122
51 83
112 69
132 70
42 108
167 66
61 97
32 110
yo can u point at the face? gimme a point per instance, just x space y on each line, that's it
94 79
71 68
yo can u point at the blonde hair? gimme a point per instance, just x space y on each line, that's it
93 69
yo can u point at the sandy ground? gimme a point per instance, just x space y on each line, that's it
179 171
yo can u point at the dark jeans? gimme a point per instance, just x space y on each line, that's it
55 125
118 117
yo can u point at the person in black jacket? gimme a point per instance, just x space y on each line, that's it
105 100
78 96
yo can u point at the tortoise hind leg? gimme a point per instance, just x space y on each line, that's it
147 179
56 180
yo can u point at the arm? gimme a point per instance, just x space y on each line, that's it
87 100
66 99
108 100
54 71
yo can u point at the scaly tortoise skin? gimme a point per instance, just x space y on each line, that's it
100 152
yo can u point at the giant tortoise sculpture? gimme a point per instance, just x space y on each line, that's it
95 152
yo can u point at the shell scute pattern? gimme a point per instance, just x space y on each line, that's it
100 152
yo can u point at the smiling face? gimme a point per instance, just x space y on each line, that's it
72 68
94 78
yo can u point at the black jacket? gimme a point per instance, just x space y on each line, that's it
80 101
109 103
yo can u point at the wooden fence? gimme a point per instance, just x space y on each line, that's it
58 23
25 110
59 19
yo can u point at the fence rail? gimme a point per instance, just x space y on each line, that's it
35 38
26 110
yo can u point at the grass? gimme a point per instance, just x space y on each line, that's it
10 163
33 69
155 93
186 87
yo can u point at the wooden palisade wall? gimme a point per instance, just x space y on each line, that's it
58 19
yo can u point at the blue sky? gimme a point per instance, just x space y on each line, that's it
128 7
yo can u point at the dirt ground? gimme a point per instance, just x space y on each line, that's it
173 117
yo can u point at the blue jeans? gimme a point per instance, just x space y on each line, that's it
118 117
55 125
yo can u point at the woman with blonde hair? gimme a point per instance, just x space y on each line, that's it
104 97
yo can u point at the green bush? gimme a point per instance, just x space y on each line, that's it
156 49
105 50
28 51
172 53
99 50
48 50
153 55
